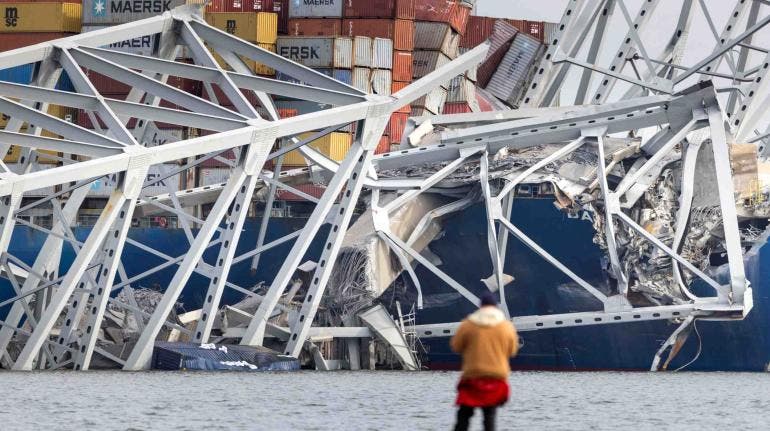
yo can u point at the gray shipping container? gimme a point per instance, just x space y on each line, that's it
327 52
436 36
144 45
123 11
425 62
515 69
315 8
362 51
382 81
383 53
461 89
212 176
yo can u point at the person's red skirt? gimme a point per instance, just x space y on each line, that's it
482 392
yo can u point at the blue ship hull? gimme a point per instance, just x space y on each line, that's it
538 288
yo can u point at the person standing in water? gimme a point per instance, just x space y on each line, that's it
485 340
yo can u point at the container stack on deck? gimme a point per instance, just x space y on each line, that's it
28 23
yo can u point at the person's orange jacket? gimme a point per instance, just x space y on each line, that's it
486 340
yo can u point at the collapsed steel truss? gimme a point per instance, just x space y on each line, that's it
65 323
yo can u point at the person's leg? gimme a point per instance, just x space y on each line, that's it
489 418
464 414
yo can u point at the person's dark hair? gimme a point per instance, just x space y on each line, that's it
488 298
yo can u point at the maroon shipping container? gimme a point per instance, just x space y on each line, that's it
459 18
456 108
9 41
240 6
214 163
223 100
397 125
313 190
400 30
477 30
281 8
402 9
83 119
434 10
315 27
535 29
402 66
499 42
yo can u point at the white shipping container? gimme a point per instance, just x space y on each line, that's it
154 136
472 73
326 52
362 51
315 8
123 11
144 45
433 101
514 71
362 79
425 62
213 176
383 53
382 82
104 186
436 36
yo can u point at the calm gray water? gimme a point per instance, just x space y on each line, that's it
377 401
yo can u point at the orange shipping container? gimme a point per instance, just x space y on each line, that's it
396 126
459 18
401 31
314 27
402 66
383 146
394 88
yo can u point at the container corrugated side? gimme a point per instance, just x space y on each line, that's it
511 76
402 66
335 145
144 45
459 17
436 36
259 27
213 176
477 30
315 27
362 79
432 101
382 51
9 41
403 9
344 75
104 186
240 6
40 17
456 108
13 155
461 89
396 126
433 10
549 32
123 11
382 82
425 62
362 51
315 8
327 52
261 69
401 31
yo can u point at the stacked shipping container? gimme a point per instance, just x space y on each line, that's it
26 23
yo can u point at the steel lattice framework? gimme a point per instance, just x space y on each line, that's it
662 101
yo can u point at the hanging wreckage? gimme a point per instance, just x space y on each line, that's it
657 173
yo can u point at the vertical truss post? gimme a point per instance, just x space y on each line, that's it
231 235
79 266
360 156
593 51
267 213
494 212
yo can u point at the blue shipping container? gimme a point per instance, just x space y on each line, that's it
23 75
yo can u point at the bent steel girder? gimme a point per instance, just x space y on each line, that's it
79 298
735 63
112 148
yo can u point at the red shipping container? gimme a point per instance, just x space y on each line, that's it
383 146
400 30
397 86
477 30
9 41
536 29
314 27
396 126
402 66
403 9
214 163
313 190
459 18
287 113
456 108
434 10
240 6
